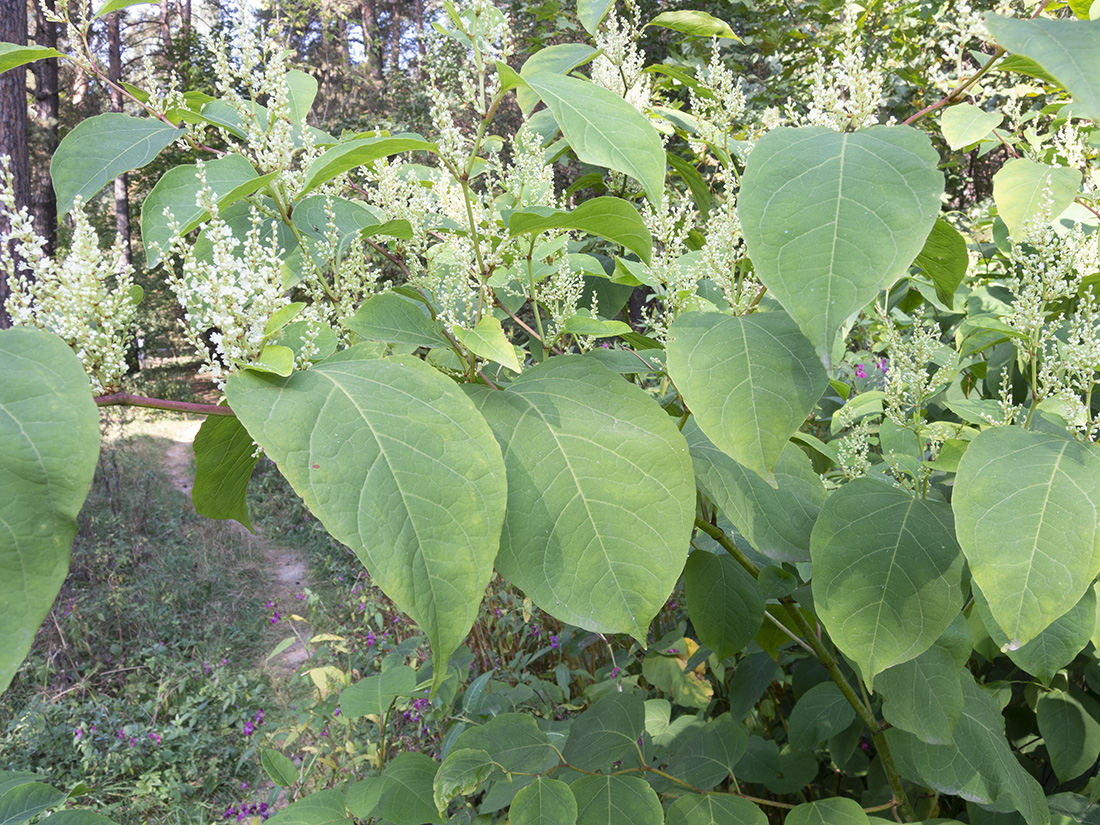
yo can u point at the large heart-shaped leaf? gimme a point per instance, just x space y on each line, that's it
965 123
100 149
359 152
887 573
607 733
924 695
749 380
778 521
398 465
724 602
601 494
1068 49
614 800
544 802
559 58
49 445
835 811
604 129
978 765
714 809
1052 649
831 218
1027 515
1070 730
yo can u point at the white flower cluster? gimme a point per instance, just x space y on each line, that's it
724 257
909 380
227 297
669 224
724 107
529 179
846 91
274 133
84 297
1069 367
561 292
620 65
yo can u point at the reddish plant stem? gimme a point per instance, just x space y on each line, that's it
125 399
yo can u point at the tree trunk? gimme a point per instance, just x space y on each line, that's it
47 110
13 122
372 40
165 31
114 73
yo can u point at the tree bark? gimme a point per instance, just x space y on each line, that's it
114 73
13 123
165 30
47 111
372 40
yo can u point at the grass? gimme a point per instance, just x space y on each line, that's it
143 676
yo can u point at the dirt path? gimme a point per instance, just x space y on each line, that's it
288 565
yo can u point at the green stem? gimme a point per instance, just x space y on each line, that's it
825 656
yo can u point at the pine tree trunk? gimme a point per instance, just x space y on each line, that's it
372 40
47 111
114 72
13 122
165 31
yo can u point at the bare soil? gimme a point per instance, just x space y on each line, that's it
288 565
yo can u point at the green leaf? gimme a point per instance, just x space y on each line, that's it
592 12
462 772
1056 646
278 767
837 811
700 192
9 779
707 756
1025 191
711 809
615 800
117 5
487 341
27 800
49 446
978 765
832 218
408 793
100 149
560 59
14 55
346 156
821 713
777 522
723 601
274 359
610 218
606 733
1018 64
601 494
924 695
321 808
584 324
887 573
697 23
1069 727
604 130
303 91
513 741
544 802
1068 49
945 260
225 456
964 123
362 797
1027 516
372 696
398 465
749 380
393 319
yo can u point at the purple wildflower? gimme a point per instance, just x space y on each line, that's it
860 371
248 728
554 641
